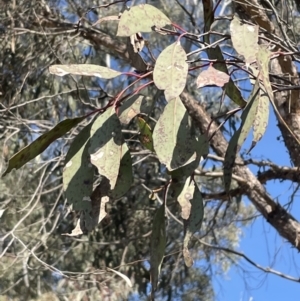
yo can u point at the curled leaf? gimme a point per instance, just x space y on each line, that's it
124 277
133 106
107 18
212 77
263 57
135 58
194 221
76 231
84 69
184 198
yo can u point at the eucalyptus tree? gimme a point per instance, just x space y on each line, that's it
117 123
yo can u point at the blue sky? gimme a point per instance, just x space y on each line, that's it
261 242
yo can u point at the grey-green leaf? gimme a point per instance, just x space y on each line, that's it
261 118
78 172
170 71
158 246
125 177
40 144
244 39
173 142
202 149
84 69
106 145
194 221
229 160
249 115
141 18
263 57
235 143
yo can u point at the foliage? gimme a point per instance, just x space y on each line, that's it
133 194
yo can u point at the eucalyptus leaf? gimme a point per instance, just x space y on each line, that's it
106 145
78 172
173 141
157 246
141 18
244 39
84 69
194 221
170 71
125 177
248 117
40 144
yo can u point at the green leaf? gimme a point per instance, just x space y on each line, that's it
99 198
145 135
157 245
230 88
202 150
125 177
78 173
244 39
106 145
84 69
133 106
239 137
39 145
170 71
248 115
173 142
263 57
212 77
194 221
229 159
202 146
141 18
261 118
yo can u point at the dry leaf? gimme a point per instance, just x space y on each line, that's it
212 77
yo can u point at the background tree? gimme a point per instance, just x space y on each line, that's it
38 262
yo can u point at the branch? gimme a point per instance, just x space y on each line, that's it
284 173
280 219
275 172
285 224
266 270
